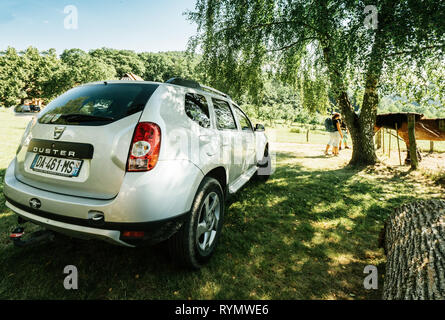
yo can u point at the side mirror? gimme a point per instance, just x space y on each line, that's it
259 127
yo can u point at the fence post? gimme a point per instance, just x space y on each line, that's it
412 141
389 145
431 146
383 140
398 144
378 138
307 135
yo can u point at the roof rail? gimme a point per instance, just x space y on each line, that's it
195 85
215 91
184 82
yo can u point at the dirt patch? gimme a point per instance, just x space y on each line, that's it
430 161
434 162
312 156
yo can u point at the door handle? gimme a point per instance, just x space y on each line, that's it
205 138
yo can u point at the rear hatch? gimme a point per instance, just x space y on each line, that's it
80 142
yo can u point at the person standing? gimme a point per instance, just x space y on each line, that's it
335 135
345 132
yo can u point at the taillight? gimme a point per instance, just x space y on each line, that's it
144 149
133 234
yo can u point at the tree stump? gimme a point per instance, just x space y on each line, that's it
415 250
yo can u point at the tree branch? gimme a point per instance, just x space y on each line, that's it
414 50
269 24
261 25
292 44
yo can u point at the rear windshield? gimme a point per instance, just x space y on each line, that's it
97 104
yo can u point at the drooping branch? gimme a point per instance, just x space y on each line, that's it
276 23
414 50
293 44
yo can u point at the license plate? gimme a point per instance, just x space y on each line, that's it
57 166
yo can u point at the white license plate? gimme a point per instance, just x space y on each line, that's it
57 166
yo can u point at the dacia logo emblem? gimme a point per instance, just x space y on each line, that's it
58 132
35 203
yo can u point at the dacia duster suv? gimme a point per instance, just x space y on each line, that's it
133 162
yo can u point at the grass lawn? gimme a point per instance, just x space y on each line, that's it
307 233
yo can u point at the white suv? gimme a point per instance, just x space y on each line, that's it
137 162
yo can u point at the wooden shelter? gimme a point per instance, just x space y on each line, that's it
414 124
131 76
34 102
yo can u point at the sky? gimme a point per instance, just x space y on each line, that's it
139 25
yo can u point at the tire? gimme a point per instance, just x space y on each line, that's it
195 242
265 166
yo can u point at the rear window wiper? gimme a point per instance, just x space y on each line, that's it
74 117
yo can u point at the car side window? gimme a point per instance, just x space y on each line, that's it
243 120
224 116
197 109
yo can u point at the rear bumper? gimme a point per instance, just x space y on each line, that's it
108 231
164 192
70 229
155 202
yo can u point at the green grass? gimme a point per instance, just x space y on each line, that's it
297 133
305 234
11 130
286 135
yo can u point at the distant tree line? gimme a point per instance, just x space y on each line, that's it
430 109
33 74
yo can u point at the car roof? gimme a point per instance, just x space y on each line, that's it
201 91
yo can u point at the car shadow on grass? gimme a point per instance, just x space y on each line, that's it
304 234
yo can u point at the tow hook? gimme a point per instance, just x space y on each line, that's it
36 237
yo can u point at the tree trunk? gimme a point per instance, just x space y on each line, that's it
362 133
363 147
360 126
366 154
415 250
